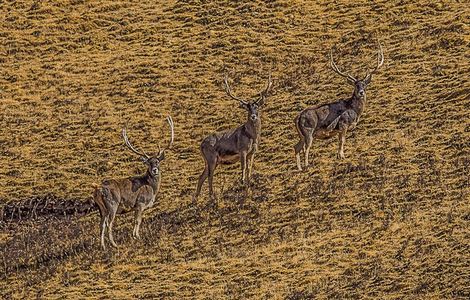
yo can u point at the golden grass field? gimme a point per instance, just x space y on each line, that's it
391 221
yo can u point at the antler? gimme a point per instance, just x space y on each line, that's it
335 68
129 145
264 93
380 62
229 91
172 131
268 86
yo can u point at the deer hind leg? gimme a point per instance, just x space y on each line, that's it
307 145
103 223
298 148
111 216
211 164
137 222
98 198
201 180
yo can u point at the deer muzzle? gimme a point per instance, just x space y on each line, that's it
154 171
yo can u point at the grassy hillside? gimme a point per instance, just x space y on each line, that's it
390 221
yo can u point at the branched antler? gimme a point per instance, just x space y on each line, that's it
380 62
129 145
336 69
229 91
172 135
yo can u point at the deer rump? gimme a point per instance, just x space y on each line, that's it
325 120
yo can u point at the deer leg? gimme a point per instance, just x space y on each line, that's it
298 148
211 166
341 140
251 158
307 145
112 215
243 161
98 198
202 178
103 224
137 222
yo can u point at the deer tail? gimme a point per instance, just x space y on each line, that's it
297 125
91 200
99 200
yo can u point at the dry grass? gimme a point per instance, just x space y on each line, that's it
389 222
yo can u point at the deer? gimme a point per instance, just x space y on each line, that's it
233 145
137 193
335 118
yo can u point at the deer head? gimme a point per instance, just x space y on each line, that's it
252 107
152 161
359 84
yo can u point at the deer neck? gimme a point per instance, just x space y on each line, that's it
253 128
153 181
358 103
145 179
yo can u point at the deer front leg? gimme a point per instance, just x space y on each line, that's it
137 221
243 162
251 158
341 140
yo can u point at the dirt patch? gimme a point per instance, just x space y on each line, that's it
44 208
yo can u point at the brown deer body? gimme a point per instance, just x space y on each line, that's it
116 196
335 118
231 146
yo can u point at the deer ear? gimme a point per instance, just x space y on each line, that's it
368 79
261 100
161 156
143 159
243 105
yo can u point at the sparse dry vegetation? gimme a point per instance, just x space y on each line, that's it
391 221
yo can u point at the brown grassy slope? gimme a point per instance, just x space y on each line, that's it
392 220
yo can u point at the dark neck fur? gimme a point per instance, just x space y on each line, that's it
145 179
357 103
253 128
